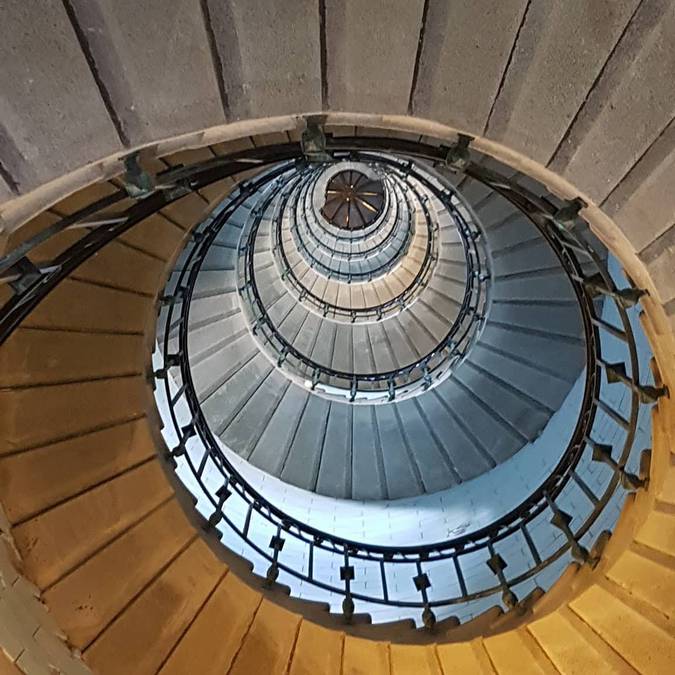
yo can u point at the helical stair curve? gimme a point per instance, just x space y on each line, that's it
256 376
537 125
212 308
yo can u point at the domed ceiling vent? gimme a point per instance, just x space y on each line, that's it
353 200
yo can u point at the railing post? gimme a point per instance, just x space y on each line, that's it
276 544
616 372
422 584
562 521
458 156
222 493
347 575
603 453
626 297
497 565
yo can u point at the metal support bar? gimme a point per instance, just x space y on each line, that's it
458 156
616 372
347 575
497 565
626 297
562 521
422 583
222 493
603 453
276 544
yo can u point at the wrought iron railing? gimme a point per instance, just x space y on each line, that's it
405 379
368 313
450 557
302 220
468 230
27 282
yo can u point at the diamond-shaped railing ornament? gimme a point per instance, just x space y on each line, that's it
496 564
566 215
601 452
277 543
561 520
421 581
347 573
616 372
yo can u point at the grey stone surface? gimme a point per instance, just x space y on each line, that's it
628 107
464 53
659 257
433 463
535 350
270 55
5 193
643 205
459 444
560 51
212 372
335 471
223 405
154 60
52 116
302 465
248 425
272 448
206 336
523 377
368 457
371 49
402 476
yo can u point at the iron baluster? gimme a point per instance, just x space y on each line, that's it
276 544
222 494
497 565
347 575
562 521
422 584
603 453
616 372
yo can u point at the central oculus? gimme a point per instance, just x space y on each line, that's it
353 200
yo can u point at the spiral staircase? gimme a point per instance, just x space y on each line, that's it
337 337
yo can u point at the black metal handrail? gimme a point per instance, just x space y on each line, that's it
30 283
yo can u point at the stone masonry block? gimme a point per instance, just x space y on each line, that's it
371 54
155 62
53 117
270 56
